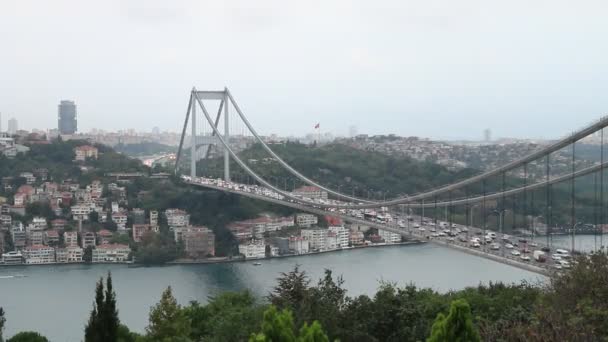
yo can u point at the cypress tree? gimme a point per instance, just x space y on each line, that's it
103 322
111 321
93 330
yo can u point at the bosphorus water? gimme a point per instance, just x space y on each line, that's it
56 300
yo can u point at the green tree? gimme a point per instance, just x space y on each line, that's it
457 326
312 333
28 336
168 321
277 326
94 216
87 255
2 322
103 322
291 291
229 317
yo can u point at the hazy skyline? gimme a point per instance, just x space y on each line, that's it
441 69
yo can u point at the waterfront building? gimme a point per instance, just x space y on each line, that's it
111 253
282 243
356 238
39 254
67 123
341 235
331 242
199 243
306 220
12 258
69 254
389 237
311 192
317 238
298 245
253 249
140 229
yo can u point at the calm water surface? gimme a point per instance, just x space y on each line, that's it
56 300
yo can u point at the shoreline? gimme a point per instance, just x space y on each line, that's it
217 260
229 260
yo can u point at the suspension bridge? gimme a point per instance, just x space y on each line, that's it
229 131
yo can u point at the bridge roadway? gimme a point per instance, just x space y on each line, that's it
502 255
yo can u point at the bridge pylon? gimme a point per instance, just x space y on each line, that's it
197 141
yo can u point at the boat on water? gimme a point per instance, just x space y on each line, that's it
257 263
12 276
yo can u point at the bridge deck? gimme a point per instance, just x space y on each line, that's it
409 235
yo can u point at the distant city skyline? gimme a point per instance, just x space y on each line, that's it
442 69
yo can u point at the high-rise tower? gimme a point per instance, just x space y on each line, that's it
67 117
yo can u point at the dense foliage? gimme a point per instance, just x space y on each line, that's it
572 306
145 148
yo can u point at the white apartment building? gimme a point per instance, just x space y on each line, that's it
389 237
111 253
253 250
317 238
39 254
70 239
81 212
342 235
5 220
88 239
177 218
35 237
19 199
153 218
69 254
306 220
40 223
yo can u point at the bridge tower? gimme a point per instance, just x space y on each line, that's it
196 141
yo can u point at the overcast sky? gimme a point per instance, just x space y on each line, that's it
446 69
